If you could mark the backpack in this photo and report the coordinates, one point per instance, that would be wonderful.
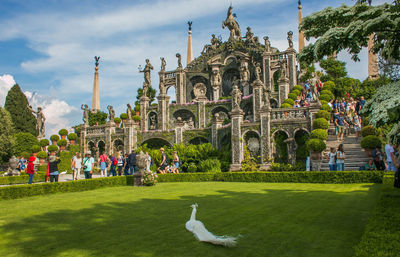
(115, 162)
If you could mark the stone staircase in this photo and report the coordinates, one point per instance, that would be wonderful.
(355, 155)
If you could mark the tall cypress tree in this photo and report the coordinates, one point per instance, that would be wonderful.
(17, 105)
(6, 139)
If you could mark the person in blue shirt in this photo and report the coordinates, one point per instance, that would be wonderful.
(88, 162)
(339, 122)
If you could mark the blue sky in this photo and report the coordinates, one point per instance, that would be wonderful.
(47, 46)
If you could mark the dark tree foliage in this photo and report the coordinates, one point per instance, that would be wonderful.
(98, 118)
(6, 139)
(17, 105)
(151, 93)
(24, 142)
(334, 69)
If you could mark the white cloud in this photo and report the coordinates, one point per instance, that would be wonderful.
(6, 82)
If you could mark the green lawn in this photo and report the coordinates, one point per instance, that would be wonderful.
(274, 219)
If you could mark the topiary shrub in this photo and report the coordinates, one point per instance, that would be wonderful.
(25, 155)
(323, 102)
(325, 97)
(295, 91)
(72, 136)
(42, 155)
(35, 148)
(326, 107)
(192, 168)
(368, 131)
(74, 148)
(63, 132)
(286, 105)
(315, 145)
(117, 120)
(370, 142)
(23, 142)
(292, 96)
(289, 101)
(136, 118)
(54, 138)
(319, 134)
(298, 87)
(62, 142)
(328, 92)
(210, 165)
(320, 123)
(123, 116)
(137, 108)
(329, 85)
(52, 148)
(44, 142)
(323, 114)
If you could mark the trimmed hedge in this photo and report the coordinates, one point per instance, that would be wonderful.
(298, 87)
(20, 191)
(289, 101)
(326, 107)
(286, 105)
(320, 123)
(23, 179)
(325, 97)
(36, 148)
(370, 142)
(292, 96)
(315, 145)
(323, 114)
(368, 131)
(319, 134)
(326, 177)
(63, 132)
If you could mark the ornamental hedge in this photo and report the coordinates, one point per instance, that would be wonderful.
(326, 107)
(289, 101)
(325, 97)
(323, 114)
(54, 138)
(42, 155)
(370, 142)
(319, 134)
(298, 87)
(44, 142)
(368, 131)
(63, 132)
(136, 118)
(62, 142)
(117, 120)
(320, 123)
(22, 179)
(328, 92)
(292, 96)
(123, 116)
(286, 105)
(323, 102)
(35, 149)
(52, 148)
(295, 91)
(329, 85)
(315, 145)
(72, 136)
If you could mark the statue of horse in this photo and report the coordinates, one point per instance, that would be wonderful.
(232, 25)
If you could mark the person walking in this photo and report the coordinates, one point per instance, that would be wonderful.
(76, 166)
(341, 156)
(88, 166)
(113, 165)
(126, 165)
(176, 162)
(53, 168)
(103, 164)
(340, 122)
(332, 159)
(31, 167)
(377, 155)
(357, 125)
(21, 164)
(164, 162)
(389, 150)
(121, 161)
(132, 162)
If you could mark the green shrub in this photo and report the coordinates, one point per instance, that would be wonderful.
(295, 91)
(136, 118)
(74, 148)
(23, 142)
(54, 138)
(63, 132)
(325, 97)
(286, 105)
(137, 108)
(315, 145)
(72, 136)
(42, 155)
(368, 131)
(117, 120)
(326, 107)
(35, 148)
(329, 85)
(52, 148)
(289, 101)
(299, 166)
(62, 142)
(320, 123)
(123, 116)
(65, 161)
(319, 134)
(26, 155)
(292, 96)
(323, 102)
(323, 114)
(370, 142)
(328, 92)
(22, 179)
(298, 87)
(210, 165)
(44, 142)
(192, 168)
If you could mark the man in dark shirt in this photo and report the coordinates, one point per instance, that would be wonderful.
(339, 122)
(132, 162)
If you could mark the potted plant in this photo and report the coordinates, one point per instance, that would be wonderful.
(315, 146)
(368, 131)
(52, 149)
(72, 137)
(62, 143)
(369, 143)
(136, 110)
(136, 118)
(35, 148)
(123, 116)
(117, 121)
(44, 143)
(42, 155)
(63, 133)
(319, 134)
(54, 139)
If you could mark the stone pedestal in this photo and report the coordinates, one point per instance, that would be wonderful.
(179, 129)
(141, 164)
(237, 144)
(265, 122)
(267, 74)
(84, 148)
(291, 67)
(284, 89)
(110, 129)
(163, 115)
(201, 113)
(315, 165)
(257, 99)
(292, 146)
(246, 88)
(130, 136)
(216, 124)
(144, 106)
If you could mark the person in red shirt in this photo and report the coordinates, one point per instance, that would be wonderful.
(31, 167)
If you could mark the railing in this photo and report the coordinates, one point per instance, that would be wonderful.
(119, 131)
(289, 113)
(94, 130)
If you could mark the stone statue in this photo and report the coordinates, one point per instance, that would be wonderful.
(190, 123)
(85, 117)
(244, 72)
(163, 64)
(283, 69)
(12, 167)
(313, 84)
(40, 119)
(111, 113)
(232, 25)
(236, 97)
(250, 37)
(153, 121)
(129, 111)
(267, 44)
(97, 58)
(147, 69)
(145, 89)
(290, 38)
(266, 93)
(215, 78)
(215, 42)
(258, 72)
(178, 55)
(200, 90)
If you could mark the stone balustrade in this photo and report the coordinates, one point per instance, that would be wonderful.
(289, 113)
(96, 130)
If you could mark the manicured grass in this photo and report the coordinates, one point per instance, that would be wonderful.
(273, 219)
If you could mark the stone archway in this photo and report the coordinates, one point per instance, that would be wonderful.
(152, 118)
(222, 111)
(118, 146)
(187, 116)
(199, 79)
(247, 108)
(252, 141)
(198, 141)
(227, 80)
(273, 103)
(156, 143)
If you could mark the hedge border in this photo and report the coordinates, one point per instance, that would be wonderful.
(22, 179)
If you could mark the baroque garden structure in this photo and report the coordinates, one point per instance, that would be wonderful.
(229, 95)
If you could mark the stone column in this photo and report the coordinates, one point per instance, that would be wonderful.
(144, 105)
(216, 124)
(180, 86)
(237, 148)
(84, 147)
(163, 115)
(267, 75)
(179, 129)
(257, 99)
(130, 136)
(283, 83)
(292, 146)
(141, 164)
(110, 129)
(265, 118)
(201, 113)
(291, 67)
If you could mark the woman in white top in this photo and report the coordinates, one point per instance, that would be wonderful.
(340, 157)
(332, 159)
(76, 166)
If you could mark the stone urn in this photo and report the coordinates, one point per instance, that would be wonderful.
(138, 175)
(316, 156)
(12, 167)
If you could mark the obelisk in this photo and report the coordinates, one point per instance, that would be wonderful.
(189, 47)
(373, 68)
(96, 93)
(301, 35)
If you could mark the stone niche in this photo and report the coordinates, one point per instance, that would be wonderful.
(185, 116)
(153, 120)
